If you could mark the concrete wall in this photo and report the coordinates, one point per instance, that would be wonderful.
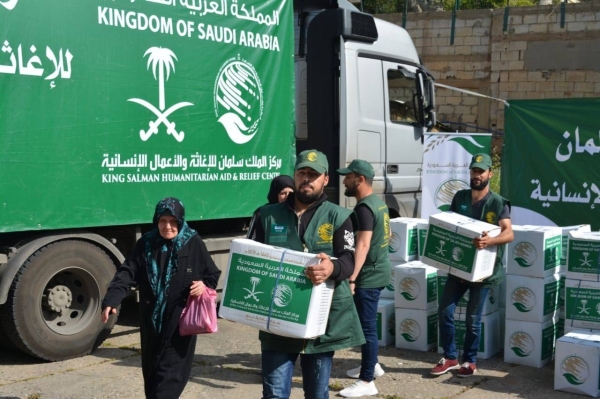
(534, 59)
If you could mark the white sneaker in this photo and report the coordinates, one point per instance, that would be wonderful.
(358, 389)
(355, 373)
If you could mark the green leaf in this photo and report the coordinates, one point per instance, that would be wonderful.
(444, 208)
(408, 337)
(469, 146)
(522, 262)
(390, 287)
(519, 352)
(408, 297)
(572, 379)
(521, 308)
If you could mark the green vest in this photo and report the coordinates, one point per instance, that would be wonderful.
(343, 326)
(376, 271)
(490, 213)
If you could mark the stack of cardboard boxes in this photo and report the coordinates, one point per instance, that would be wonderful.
(416, 306)
(413, 288)
(578, 352)
(532, 291)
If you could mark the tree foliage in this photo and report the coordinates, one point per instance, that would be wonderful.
(398, 6)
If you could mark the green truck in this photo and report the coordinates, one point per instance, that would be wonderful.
(107, 106)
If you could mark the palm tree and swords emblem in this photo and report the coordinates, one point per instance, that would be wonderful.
(161, 60)
(253, 294)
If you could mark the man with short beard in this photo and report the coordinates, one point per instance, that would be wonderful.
(371, 270)
(482, 204)
(307, 222)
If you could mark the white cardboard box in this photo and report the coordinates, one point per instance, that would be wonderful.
(449, 246)
(583, 256)
(491, 302)
(389, 291)
(532, 299)
(582, 304)
(489, 344)
(529, 344)
(535, 251)
(416, 329)
(585, 228)
(416, 286)
(577, 362)
(422, 232)
(386, 326)
(298, 308)
(404, 241)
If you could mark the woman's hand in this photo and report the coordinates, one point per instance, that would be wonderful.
(197, 288)
(107, 312)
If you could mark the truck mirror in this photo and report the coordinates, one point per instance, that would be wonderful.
(420, 103)
(431, 107)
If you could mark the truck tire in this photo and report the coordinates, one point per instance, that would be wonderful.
(53, 307)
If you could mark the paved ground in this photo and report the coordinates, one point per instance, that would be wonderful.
(227, 365)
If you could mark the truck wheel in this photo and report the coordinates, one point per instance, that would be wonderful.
(53, 307)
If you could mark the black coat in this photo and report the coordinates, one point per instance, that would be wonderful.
(166, 357)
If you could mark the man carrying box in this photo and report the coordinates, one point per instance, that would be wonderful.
(307, 222)
(371, 270)
(482, 204)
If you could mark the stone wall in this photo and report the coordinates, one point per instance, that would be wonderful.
(533, 59)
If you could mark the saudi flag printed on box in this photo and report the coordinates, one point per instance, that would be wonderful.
(449, 246)
(583, 256)
(266, 288)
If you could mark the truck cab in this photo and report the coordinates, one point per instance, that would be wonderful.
(361, 92)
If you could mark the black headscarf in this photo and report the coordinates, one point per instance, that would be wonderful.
(277, 184)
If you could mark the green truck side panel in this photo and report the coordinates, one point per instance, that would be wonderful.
(108, 106)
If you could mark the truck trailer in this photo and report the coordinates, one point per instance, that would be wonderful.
(107, 106)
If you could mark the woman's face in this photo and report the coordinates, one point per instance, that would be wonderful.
(167, 227)
(283, 194)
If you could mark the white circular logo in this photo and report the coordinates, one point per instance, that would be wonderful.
(525, 254)
(445, 192)
(575, 370)
(521, 344)
(523, 299)
(410, 330)
(283, 295)
(458, 254)
(238, 99)
(409, 288)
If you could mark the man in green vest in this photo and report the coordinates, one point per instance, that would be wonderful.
(371, 270)
(482, 204)
(307, 222)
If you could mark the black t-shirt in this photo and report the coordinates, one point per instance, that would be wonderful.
(366, 219)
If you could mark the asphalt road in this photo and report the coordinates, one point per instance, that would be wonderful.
(227, 365)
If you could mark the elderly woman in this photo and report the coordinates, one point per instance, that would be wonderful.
(168, 264)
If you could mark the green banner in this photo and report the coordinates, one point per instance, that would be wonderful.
(550, 161)
(107, 106)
